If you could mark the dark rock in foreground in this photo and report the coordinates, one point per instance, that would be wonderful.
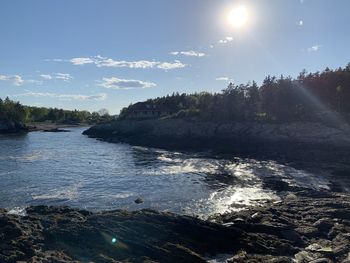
(307, 227)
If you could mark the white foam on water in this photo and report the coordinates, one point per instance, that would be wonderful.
(186, 166)
(298, 178)
(236, 198)
(20, 211)
(122, 195)
(69, 193)
(29, 157)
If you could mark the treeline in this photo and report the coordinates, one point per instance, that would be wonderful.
(11, 111)
(41, 114)
(14, 111)
(309, 97)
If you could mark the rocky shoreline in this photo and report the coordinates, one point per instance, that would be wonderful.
(9, 127)
(53, 127)
(288, 143)
(303, 227)
(195, 133)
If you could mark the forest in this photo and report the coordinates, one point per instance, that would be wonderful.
(318, 96)
(315, 96)
(16, 112)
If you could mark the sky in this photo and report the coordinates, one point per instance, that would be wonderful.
(93, 54)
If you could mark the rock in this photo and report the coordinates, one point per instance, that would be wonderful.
(61, 234)
(305, 257)
(324, 224)
(138, 200)
(301, 141)
(308, 231)
(341, 244)
(347, 260)
(239, 257)
(319, 248)
(56, 130)
(322, 260)
(256, 215)
(279, 233)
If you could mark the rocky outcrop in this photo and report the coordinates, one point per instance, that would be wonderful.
(245, 138)
(56, 130)
(12, 127)
(304, 227)
(317, 224)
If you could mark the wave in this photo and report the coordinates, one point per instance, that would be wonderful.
(30, 157)
(122, 195)
(69, 193)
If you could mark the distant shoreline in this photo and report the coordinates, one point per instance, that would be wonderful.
(44, 126)
(19, 128)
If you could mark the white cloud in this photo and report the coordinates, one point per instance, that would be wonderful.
(169, 65)
(15, 79)
(223, 79)
(314, 48)
(99, 97)
(108, 62)
(300, 23)
(46, 76)
(54, 60)
(225, 40)
(189, 53)
(116, 83)
(34, 81)
(81, 61)
(100, 61)
(63, 76)
(60, 76)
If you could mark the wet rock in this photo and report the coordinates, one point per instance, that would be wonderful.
(308, 231)
(322, 260)
(341, 244)
(138, 200)
(310, 227)
(56, 130)
(347, 260)
(239, 257)
(61, 234)
(305, 257)
(324, 224)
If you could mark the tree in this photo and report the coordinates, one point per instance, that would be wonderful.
(103, 112)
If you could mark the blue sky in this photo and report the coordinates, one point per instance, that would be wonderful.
(93, 54)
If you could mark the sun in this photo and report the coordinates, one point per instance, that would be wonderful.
(238, 16)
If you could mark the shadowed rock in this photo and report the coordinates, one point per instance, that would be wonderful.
(56, 130)
(302, 227)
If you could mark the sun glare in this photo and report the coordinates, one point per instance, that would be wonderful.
(238, 16)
